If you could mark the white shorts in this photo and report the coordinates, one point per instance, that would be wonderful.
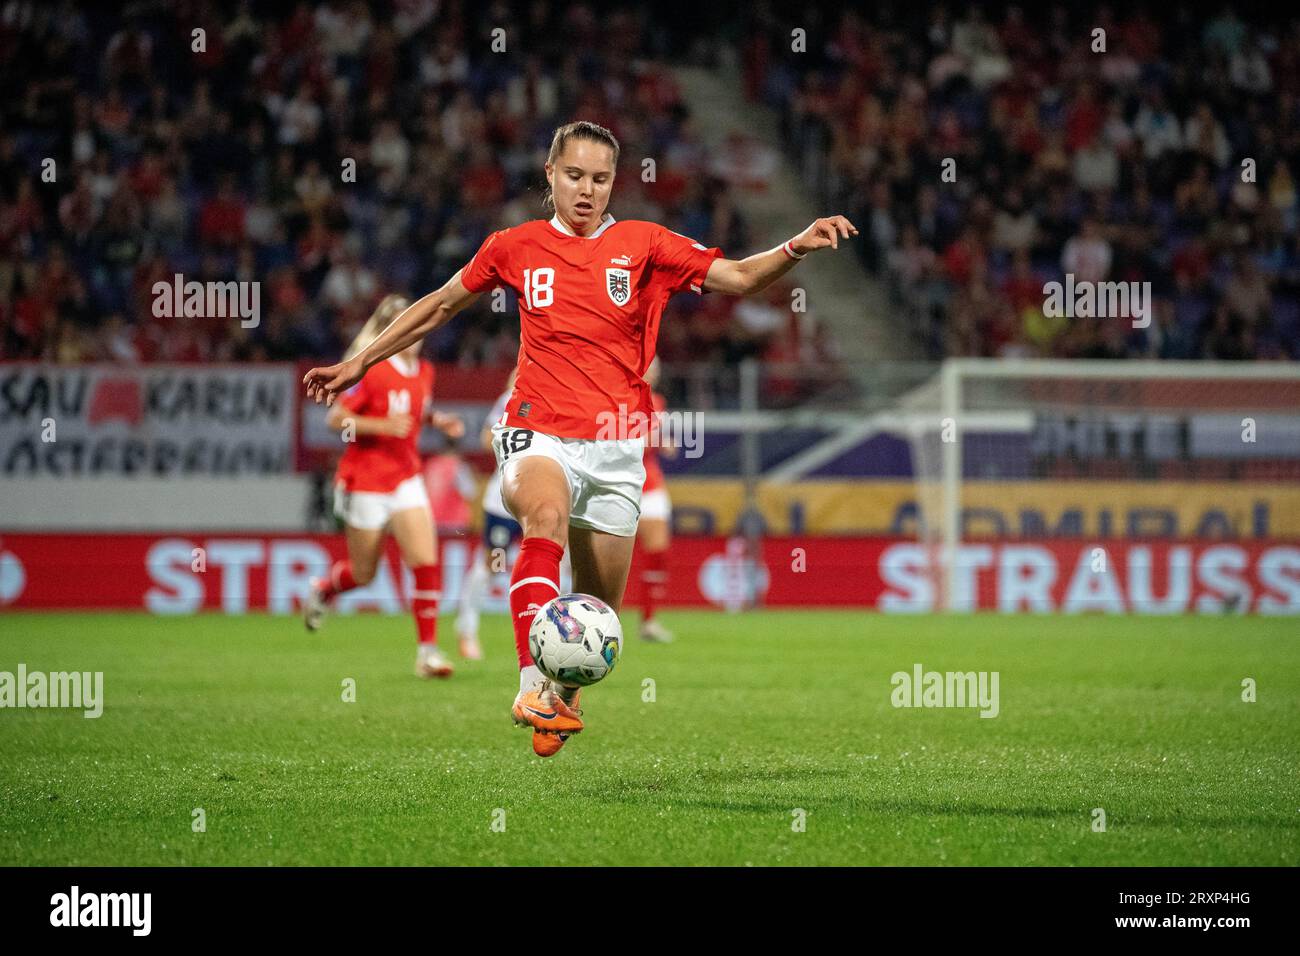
(656, 505)
(605, 475)
(372, 509)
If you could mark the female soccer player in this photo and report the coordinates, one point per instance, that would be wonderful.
(591, 292)
(379, 487)
(654, 530)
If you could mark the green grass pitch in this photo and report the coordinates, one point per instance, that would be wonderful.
(754, 717)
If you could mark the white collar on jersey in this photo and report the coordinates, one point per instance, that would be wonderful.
(402, 366)
(561, 227)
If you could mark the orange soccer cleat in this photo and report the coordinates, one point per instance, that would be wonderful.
(548, 744)
(541, 708)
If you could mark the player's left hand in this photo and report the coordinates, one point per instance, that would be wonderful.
(822, 233)
(450, 425)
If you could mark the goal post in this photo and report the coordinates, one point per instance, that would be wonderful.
(1108, 453)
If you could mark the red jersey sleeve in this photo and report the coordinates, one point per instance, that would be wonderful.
(680, 263)
(483, 271)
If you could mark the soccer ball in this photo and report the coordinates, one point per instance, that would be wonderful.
(575, 639)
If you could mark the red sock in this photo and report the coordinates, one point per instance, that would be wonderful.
(424, 601)
(340, 579)
(654, 582)
(534, 581)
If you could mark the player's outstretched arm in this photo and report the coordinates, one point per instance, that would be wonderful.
(417, 321)
(757, 272)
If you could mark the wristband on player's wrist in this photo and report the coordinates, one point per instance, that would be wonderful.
(789, 251)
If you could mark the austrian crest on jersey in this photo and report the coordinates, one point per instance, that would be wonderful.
(618, 282)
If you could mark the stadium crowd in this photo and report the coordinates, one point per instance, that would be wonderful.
(334, 152)
(341, 150)
(1123, 165)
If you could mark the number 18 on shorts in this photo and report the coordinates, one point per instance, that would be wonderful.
(605, 475)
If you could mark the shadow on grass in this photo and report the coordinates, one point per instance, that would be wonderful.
(679, 793)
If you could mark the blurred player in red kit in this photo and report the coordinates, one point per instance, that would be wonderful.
(450, 483)
(379, 488)
(591, 291)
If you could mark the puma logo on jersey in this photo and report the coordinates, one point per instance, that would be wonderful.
(621, 261)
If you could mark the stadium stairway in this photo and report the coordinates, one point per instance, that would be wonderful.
(840, 291)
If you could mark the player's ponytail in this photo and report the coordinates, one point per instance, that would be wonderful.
(389, 308)
(582, 129)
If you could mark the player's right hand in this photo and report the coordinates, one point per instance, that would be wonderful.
(327, 383)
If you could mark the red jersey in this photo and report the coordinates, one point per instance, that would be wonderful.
(589, 310)
(654, 472)
(381, 462)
